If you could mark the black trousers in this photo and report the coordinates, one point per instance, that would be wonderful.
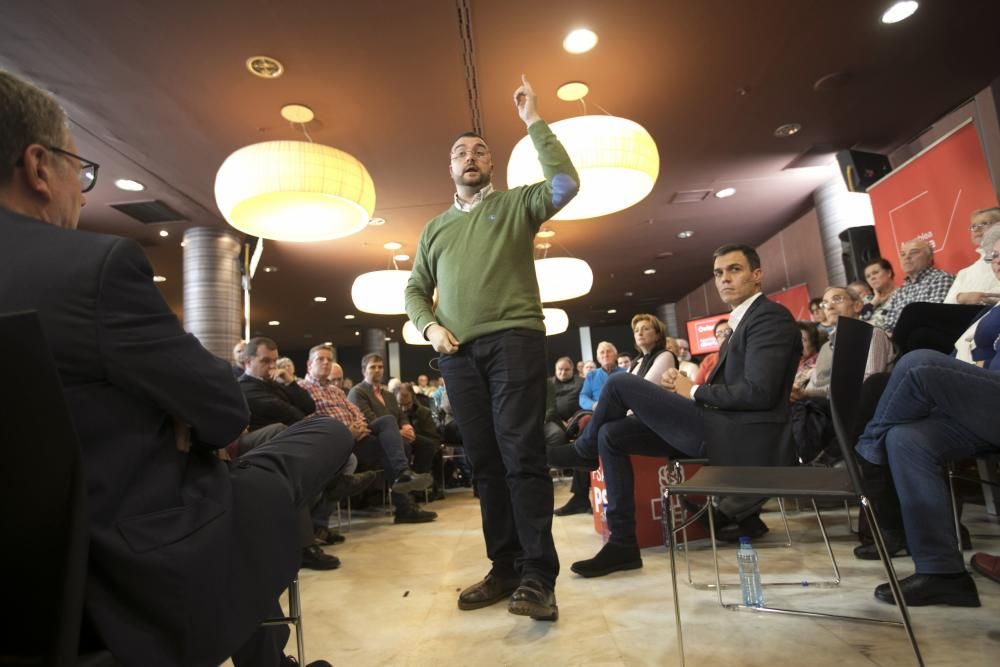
(496, 384)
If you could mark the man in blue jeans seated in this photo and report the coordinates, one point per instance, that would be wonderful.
(746, 396)
(935, 409)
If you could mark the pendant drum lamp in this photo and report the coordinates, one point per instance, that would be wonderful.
(381, 292)
(562, 278)
(294, 191)
(616, 158)
(556, 321)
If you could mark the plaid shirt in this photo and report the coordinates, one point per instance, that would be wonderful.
(331, 401)
(931, 285)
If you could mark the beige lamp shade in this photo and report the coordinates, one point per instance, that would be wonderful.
(412, 336)
(381, 292)
(616, 158)
(556, 321)
(294, 191)
(562, 278)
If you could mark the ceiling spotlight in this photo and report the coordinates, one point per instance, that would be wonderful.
(159, 279)
(319, 299)
(270, 269)
(265, 67)
(273, 323)
(387, 338)
(612, 311)
(164, 233)
(725, 192)
(348, 317)
(183, 243)
(392, 245)
(401, 258)
(328, 342)
(546, 234)
(686, 234)
(649, 272)
(628, 293)
(543, 246)
(376, 222)
(357, 333)
(900, 11)
(571, 91)
(297, 113)
(580, 40)
(787, 130)
(129, 185)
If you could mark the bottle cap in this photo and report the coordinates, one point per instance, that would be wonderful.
(745, 539)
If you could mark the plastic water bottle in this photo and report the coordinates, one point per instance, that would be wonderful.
(605, 533)
(746, 559)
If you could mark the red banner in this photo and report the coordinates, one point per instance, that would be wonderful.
(795, 299)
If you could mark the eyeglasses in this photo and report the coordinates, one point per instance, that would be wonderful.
(479, 154)
(992, 257)
(835, 299)
(88, 169)
(975, 227)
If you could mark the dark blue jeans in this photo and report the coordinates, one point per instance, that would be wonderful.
(935, 409)
(496, 384)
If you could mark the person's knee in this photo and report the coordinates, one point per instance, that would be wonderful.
(912, 444)
(383, 422)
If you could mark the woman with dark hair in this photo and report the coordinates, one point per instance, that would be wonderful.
(810, 350)
(881, 278)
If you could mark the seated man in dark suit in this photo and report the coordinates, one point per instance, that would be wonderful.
(427, 438)
(739, 417)
(169, 580)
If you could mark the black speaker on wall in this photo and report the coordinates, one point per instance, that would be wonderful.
(858, 247)
(860, 169)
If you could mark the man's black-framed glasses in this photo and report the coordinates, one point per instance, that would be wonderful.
(88, 169)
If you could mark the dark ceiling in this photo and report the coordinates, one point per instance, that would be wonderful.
(158, 92)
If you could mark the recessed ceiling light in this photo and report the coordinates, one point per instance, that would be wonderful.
(612, 311)
(319, 299)
(392, 245)
(387, 338)
(376, 222)
(297, 113)
(787, 130)
(546, 234)
(164, 233)
(725, 192)
(900, 11)
(571, 91)
(580, 40)
(159, 279)
(328, 342)
(628, 293)
(686, 234)
(273, 323)
(129, 185)
(265, 67)
(348, 317)
(649, 272)
(401, 258)
(270, 269)
(543, 245)
(357, 333)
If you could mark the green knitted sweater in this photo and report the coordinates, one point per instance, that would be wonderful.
(482, 262)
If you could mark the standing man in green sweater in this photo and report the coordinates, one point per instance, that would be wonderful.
(488, 328)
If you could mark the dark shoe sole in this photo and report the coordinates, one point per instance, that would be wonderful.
(488, 602)
(537, 612)
(945, 599)
(631, 565)
(872, 554)
(418, 483)
(411, 519)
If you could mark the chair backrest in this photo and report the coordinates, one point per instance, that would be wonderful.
(850, 357)
(44, 519)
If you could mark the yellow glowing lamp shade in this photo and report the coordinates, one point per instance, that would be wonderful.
(616, 158)
(562, 278)
(412, 336)
(381, 292)
(556, 321)
(294, 191)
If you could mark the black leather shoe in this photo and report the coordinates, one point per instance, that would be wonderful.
(413, 514)
(408, 480)
(313, 558)
(919, 590)
(895, 544)
(535, 599)
(566, 456)
(327, 536)
(489, 591)
(576, 505)
(751, 527)
(611, 558)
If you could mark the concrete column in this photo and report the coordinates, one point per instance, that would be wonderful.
(213, 295)
(667, 312)
(586, 349)
(373, 340)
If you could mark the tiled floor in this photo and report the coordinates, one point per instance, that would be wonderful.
(393, 603)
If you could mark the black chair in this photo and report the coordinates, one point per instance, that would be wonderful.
(841, 484)
(44, 513)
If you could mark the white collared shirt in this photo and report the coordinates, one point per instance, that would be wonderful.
(477, 199)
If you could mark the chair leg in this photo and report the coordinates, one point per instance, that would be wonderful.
(890, 571)
(784, 520)
(954, 504)
(826, 541)
(669, 518)
(295, 612)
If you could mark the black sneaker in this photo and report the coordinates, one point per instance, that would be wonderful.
(413, 514)
(410, 480)
(313, 558)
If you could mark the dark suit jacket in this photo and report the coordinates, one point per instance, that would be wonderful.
(167, 580)
(745, 403)
(271, 403)
(363, 396)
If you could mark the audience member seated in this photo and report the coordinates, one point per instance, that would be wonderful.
(607, 357)
(377, 443)
(588, 366)
(819, 316)
(187, 554)
(237, 364)
(288, 366)
(881, 278)
(990, 246)
(862, 289)
(810, 352)
(461, 474)
(624, 361)
(976, 284)
(654, 359)
(427, 438)
(682, 357)
(562, 405)
(739, 417)
(923, 282)
(707, 365)
(932, 412)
